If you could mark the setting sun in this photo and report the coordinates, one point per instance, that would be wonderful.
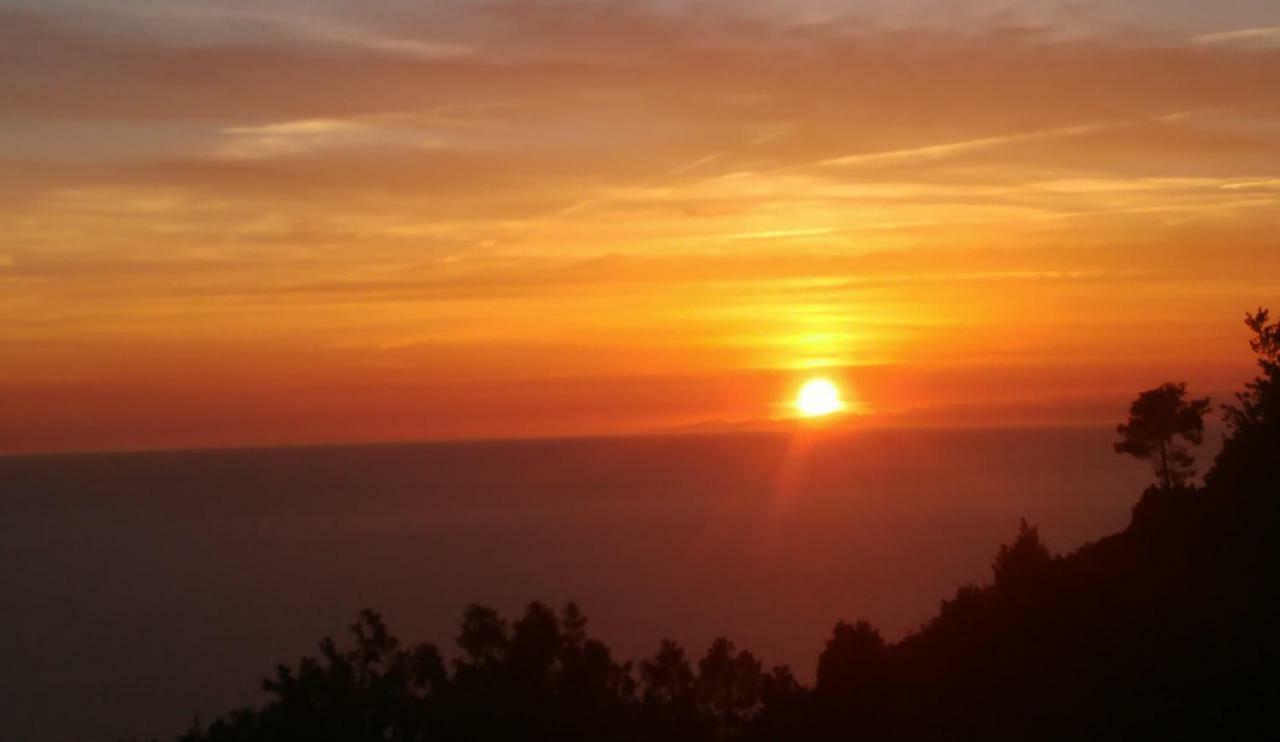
(818, 397)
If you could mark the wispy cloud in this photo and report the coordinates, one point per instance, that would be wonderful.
(1268, 184)
(289, 138)
(953, 149)
(1264, 35)
(681, 169)
(325, 30)
(781, 234)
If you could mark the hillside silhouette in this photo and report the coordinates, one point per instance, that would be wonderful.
(1165, 630)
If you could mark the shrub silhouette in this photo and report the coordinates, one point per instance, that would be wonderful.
(1165, 630)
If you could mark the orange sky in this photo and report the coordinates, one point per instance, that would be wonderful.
(227, 223)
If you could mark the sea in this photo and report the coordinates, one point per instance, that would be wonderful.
(140, 591)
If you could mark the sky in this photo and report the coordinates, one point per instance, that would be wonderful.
(243, 223)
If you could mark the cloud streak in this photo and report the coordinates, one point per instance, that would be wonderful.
(1265, 35)
(291, 138)
(317, 28)
(933, 152)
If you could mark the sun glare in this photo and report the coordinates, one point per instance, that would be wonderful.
(818, 397)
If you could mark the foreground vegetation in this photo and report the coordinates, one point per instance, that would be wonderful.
(1166, 630)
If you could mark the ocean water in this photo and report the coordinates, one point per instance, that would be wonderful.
(139, 590)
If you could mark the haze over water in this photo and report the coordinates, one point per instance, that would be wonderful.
(155, 586)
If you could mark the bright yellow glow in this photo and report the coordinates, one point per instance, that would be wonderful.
(818, 397)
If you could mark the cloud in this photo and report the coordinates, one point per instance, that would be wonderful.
(288, 138)
(780, 234)
(951, 149)
(1269, 184)
(1262, 36)
(324, 30)
(586, 62)
(409, 47)
(624, 129)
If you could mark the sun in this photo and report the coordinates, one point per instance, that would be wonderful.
(818, 397)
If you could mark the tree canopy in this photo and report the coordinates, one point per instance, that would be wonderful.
(1157, 419)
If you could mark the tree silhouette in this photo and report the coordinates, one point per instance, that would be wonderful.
(853, 661)
(728, 687)
(1022, 561)
(1249, 460)
(1261, 398)
(669, 700)
(484, 635)
(1157, 418)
